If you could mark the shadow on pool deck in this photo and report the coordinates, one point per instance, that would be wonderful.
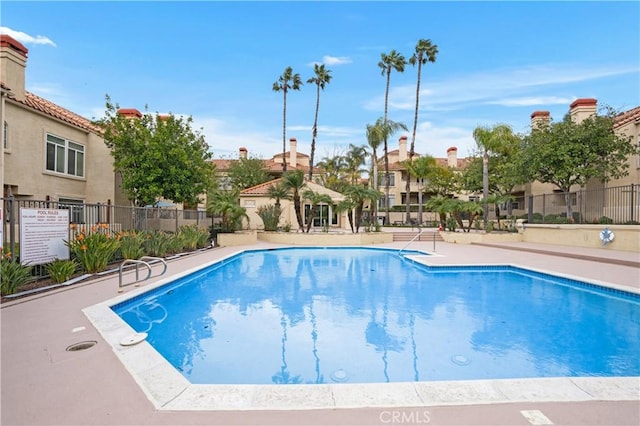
(42, 383)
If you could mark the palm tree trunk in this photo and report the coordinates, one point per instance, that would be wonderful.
(284, 132)
(374, 208)
(314, 134)
(485, 185)
(413, 144)
(386, 149)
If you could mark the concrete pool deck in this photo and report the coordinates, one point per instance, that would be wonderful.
(42, 383)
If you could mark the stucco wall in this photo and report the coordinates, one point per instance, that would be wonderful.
(627, 237)
(25, 159)
(325, 239)
(238, 238)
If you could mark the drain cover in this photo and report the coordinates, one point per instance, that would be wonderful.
(133, 339)
(80, 346)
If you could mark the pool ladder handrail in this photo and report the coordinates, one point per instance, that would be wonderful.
(412, 240)
(138, 262)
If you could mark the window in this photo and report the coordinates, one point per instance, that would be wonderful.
(64, 156)
(382, 204)
(324, 212)
(76, 206)
(392, 179)
(224, 183)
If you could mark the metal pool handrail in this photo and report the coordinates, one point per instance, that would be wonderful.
(138, 262)
(412, 240)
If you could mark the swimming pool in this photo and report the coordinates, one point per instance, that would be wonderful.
(390, 320)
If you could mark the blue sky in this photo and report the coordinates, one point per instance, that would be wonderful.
(217, 62)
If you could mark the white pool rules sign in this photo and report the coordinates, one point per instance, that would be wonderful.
(42, 235)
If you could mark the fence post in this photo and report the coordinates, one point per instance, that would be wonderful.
(12, 226)
(633, 207)
(530, 212)
(177, 220)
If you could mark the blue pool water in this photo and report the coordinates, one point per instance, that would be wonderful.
(360, 315)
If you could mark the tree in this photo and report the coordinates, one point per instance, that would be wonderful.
(247, 172)
(567, 153)
(278, 192)
(157, 156)
(392, 61)
(374, 139)
(354, 160)
(443, 180)
(498, 139)
(321, 79)
(388, 128)
(287, 81)
(227, 204)
(358, 195)
(334, 171)
(421, 168)
(425, 52)
(315, 198)
(294, 181)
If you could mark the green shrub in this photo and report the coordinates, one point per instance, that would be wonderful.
(94, 250)
(604, 220)
(157, 243)
(270, 215)
(193, 237)
(61, 270)
(12, 275)
(131, 244)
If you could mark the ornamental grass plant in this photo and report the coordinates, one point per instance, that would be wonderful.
(94, 247)
(61, 270)
(132, 244)
(12, 274)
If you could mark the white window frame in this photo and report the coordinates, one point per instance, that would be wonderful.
(64, 152)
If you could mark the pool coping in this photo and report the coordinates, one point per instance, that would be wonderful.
(168, 389)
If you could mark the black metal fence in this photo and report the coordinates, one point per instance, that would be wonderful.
(116, 218)
(617, 205)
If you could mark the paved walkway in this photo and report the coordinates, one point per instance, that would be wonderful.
(42, 383)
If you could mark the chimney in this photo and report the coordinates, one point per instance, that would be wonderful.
(13, 63)
(452, 157)
(243, 153)
(402, 148)
(583, 108)
(130, 113)
(293, 159)
(540, 119)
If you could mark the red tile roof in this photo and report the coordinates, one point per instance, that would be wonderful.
(56, 111)
(261, 189)
(627, 117)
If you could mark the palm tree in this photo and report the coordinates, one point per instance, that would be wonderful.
(494, 139)
(420, 168)
(359, 194)
(354, 160)
(387, 129)
(294, 181)
(315, 198)
(227, 204)
(288, 80)
(374, 139)
(425, 52)
(278, 192)
(333, 171)
(322, 77)
(392, 61)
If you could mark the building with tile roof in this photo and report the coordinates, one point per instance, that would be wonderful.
(49, 152)
(255, 197)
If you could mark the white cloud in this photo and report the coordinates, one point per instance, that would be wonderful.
(505, 86)
(533, 100)
(336, 60)
(26, 38)
(435, 140)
